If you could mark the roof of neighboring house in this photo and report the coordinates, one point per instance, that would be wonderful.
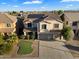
(72, 16)
(4, 19)
(12, 18)
(6, 30)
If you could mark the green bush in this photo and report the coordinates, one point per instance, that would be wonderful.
(7, 47)
(12, 39)
(60, 12)
(67, 33)
(1, 39)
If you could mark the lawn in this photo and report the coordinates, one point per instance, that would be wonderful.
(25, 47)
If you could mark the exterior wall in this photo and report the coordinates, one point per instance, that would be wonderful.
(4, 25)
(73, 27)
(50, 26)
(25, 24)
(34, 25)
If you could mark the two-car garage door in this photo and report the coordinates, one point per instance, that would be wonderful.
(45, 36)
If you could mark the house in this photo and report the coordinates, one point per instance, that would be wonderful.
(73, 20)
(43, 26)
(7, 23)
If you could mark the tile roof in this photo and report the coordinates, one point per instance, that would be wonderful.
(12, 18)
(72, 16)
(5, 19)
(53, 17)
(35, 15)
(45, 16)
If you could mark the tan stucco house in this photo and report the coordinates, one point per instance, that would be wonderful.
(73, 20)
(7, 23)
(45, 26)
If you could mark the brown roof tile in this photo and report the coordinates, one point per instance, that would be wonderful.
(5, 19)
(72, 16)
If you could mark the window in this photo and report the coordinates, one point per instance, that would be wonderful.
(74, 24)
(8, 25)
(44, 26)
(29, 25)
(67, 22)
(56, 25)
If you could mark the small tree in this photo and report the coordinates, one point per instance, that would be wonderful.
(68, 33)
(60, 12)
(20, 25)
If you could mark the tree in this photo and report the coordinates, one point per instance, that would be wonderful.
(14, 12)
(60, 12)
(19, 25)
(67, 33)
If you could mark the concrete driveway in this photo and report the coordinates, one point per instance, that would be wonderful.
(53, 50)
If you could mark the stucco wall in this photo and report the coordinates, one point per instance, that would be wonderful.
(50, 26)
(4, 25)
(33, 24)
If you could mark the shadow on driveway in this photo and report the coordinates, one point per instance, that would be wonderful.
(72, 47)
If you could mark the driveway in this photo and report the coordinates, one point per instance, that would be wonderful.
(53, 50)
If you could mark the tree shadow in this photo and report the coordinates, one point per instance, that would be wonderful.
(75, 48)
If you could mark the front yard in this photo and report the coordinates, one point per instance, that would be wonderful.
(25, 47)
(14, 47)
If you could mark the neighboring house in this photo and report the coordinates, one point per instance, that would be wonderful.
(45, 26)
(7, 24)
(73, 20)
